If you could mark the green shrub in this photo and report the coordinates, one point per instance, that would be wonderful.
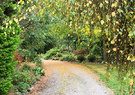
(49, 41)
(26, 67)
(38, 71)
(8, 44)
(5, 84)
(63, 48)
(9, 40)
(23, 87)
(91, 58)
(81, 58)
(59, 54)
(25, 76)
(68, 58)
(28, 55)
(51, 53)
(22, 80)
(96, 50)
(38, 61)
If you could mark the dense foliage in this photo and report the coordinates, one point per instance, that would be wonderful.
(104, 28)
(68, 57)
(81, 58)
(24, 78)
(12, 13)
(91, 58)
(35, 35)
(54, 52)
(9, 39)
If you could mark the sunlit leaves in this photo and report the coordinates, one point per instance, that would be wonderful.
(90, 2)
(133, 59)
(29, 9)
(114, 49)
(101, 5)
(10, 22)
(16, 20)
(113, 14)
(119, 10)
(114, 4)
(128, 58)
(5, 33)
(113, 41)
(97, 31)
(131, 82)
(99, 17)
(102, 22)
(106, 1)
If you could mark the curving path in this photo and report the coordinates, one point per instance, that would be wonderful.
(64, 78)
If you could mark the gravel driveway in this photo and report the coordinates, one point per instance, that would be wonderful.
(64, 78)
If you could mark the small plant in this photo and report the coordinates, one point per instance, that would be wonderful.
(68, 58)
(22, 80)
(81, 58)
(63, 48)
(51, 53)
(26, 67)
(23, 87)
(38, 61)
(91, 58)
(28, 55)
(38, 71)
(25, 76)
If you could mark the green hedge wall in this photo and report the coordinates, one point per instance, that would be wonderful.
(9, 40)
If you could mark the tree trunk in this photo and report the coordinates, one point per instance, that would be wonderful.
(104, 51)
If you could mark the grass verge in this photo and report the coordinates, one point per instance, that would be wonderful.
(113, 83)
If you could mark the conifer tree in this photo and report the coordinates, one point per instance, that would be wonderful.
(9, 39)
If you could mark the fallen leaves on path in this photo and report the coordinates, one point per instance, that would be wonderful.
(64, 78)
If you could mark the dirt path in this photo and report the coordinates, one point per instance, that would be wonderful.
(63, 78)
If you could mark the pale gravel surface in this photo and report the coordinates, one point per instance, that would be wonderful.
(64, 78)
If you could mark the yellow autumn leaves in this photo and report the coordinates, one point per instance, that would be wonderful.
(16, 20)
(113, 14)
(114, 40)
(102, 22)
(131, 82)
(115, 4)
(101, 5)
(115, 49)
(87, 30)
